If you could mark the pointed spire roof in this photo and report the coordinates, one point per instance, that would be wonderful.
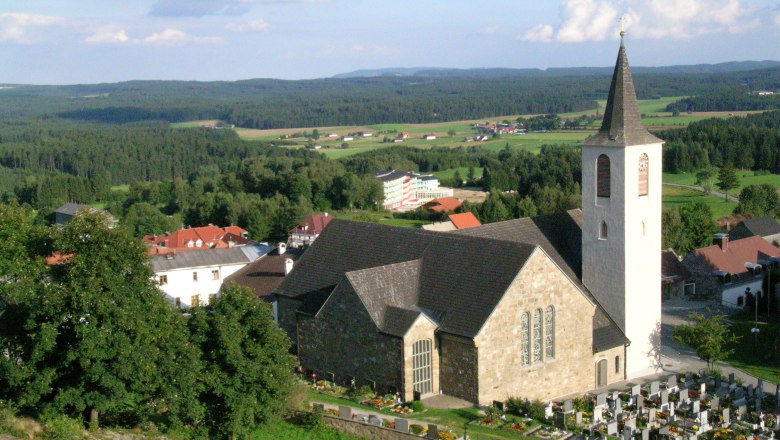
(622, 125)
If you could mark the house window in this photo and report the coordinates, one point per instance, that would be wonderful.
(537, 324)
(178, 301)
(163, 280)
(422, 377)
(617, 364)
(644, 171)
(214, 274)
(195, 276)
(603, 231)
(602, 176)
(549, 333)
(525, 339)
(212, 298)
(194, 301)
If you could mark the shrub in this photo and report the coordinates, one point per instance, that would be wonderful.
(415, 405)
(311, 420)
(516, 406)
(416, 429)
(62, 428)
(296, 400)
(536, 410)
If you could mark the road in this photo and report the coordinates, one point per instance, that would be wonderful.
(734, 199)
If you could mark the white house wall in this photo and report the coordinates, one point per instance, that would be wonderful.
(181, 285)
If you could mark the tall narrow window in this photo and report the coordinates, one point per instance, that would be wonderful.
(644, 170)
(421, 367)
(537, 335)
(603, 231)
(525, 339)
(617, 364)
(549, 333)
(602, 176)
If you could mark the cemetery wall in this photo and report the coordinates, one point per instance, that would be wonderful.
(351, 347)
(365, 430)
(423, 328)
(459, 367)
(501, 374)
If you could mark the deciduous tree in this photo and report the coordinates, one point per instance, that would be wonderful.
(709, 336)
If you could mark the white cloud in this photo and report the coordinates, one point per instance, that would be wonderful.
(176, 37)
(596, 20)
(108, 36)
(488, 30)
(777, 19)
(541, 32)
(249, 26)
(16, 26)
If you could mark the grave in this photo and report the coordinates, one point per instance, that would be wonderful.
(640, 403)
(402, 425)
(741, 411)
(559, 420)
(645, 434)
(683, 395)
(724, 417)
(374, 420)
(731, 378)
(597, 414)
(696, 407)
(612, 427)
(760, 389)
(636, 390)
(715, 403)
(628, 433)
(345, 412)
(664, 397)
(750, 391)
(758, 405)
(433, 432)
(654, 386)
(702, 390)
(568, 406)
(651, 415)
(601, 399)
(671, 382)
(578, 418)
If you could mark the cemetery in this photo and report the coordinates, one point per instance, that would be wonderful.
(675, 407)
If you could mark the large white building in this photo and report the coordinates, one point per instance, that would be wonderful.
(409, 190)
(193, 278)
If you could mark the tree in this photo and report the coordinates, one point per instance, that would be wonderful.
(727, 178)
(248, 371)
(451, 133)
(493, 208)
(687, 228)
(710, 337)
(94, 335)
(144, 219)
(704, 179)
(758, 200)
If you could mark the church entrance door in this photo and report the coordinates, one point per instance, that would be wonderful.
(601, 373)
(422, 377)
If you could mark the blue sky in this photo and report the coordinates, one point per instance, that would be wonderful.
(90, 41)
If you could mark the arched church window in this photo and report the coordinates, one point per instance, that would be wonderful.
(617, 364)
(549, 333)
(644, 171)
(525, 339)
(603, 231)
(602, 176)
(537, 335)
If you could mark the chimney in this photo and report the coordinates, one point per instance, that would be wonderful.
(722, 240)
(288, 266)
(282, 248)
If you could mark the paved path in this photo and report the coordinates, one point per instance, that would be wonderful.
(734, 199)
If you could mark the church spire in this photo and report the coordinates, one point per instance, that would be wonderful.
(622, 124)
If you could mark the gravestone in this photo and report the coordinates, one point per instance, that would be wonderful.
(717, 381)
(758, 405)
(615, 395)
(696, 407)
(433, 432)
(345, 412)
(760, 389)
(715, 403)
(402, 425)
(612, 428)
(627, 433)
(651, 415)
(702, 390)
(666, 430)
(684, 395)
(560, 420)
(704, 418)
(601, 399)
(731, 378)
(636, 390)
(671, 407)
(725, 417)
(671, 382)
(578, 418)
(740, 402)
(631, 422)
(739, 393)
(750, 391)
(654, 386)
(618, 409)
(374, 420)
(741, 411)
(597, 414)
(568, 406)
(640, 402)
(645, 434)
(664, 397)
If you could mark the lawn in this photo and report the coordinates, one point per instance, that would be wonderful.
(754, 359)
(464, 172)
(676, 196)
(745, 178)
(283, 429)
(121, 188)
(383, 218)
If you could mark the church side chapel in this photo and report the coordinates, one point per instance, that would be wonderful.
(535, 307)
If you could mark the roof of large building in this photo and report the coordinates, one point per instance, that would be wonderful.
(464, 220)
(71, 208)
(315, 224)
(736, 254)
(455, 279)
(622, 124)
(265, 274)
(208, 257)
(762, 226)
(186, 239)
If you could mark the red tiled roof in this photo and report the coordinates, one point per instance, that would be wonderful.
(738, 252)
(210, 237)
(443, 204)
(464, 220)
(313, 225)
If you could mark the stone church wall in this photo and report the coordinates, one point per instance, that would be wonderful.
(343, 340)
(287, 316)
(459, 365)
(501, 375)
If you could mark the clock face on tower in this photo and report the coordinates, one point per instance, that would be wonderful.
(643, 162)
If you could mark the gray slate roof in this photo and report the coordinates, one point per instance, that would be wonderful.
(455, 280)
(71, 208)
(208, 257)
(622, 125)
(560, 235)
(762, 226)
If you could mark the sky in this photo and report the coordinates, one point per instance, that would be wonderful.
(94, 41)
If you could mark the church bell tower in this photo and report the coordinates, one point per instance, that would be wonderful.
(621, 221)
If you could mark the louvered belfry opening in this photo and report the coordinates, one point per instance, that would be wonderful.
(602, 176)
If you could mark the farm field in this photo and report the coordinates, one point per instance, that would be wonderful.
(464, 172)
(745, 178)
(676, 196)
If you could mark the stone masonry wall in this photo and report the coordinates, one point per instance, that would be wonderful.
(343, 340)
(501, 375)
(287, 316)
(459, 365)
(365, 430)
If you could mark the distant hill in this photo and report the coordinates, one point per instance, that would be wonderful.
(495, 72)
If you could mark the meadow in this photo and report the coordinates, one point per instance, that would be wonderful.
(674, 196)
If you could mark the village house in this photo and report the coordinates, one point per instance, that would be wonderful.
(66, 212)
(536, 307)
(676, 280)
(305, 232)
(196, 239)
(454, 222)
(765, 227)
(443, 204)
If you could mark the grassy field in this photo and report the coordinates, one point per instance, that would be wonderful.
(285, 430)
(752, 357)
(464, 172)
(383, 218)
(121, 188)
(745, 178)
(675, 196)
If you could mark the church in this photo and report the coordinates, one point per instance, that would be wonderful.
(536, 307)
